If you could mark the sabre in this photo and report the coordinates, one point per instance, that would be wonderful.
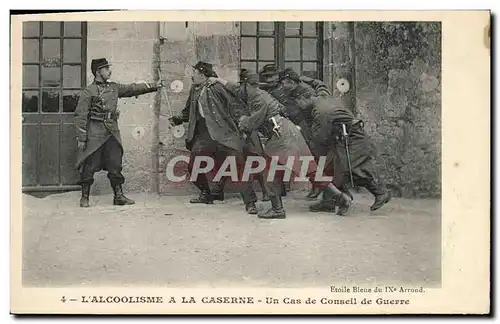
(344, 133)
(166, 95)
(276, 127)
(178, 131)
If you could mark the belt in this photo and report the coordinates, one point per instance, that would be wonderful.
(109, 115)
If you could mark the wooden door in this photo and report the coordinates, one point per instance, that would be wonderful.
(54, 66)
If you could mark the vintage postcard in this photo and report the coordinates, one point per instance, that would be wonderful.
(267, 162)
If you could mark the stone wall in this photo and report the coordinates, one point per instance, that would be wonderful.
(397, 87)
(184, 44)
(398, 79)
(129, 46)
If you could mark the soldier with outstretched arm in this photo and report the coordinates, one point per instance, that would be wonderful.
(98, 136)
(282, 144)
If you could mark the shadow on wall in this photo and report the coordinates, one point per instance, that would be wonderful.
(398, 73)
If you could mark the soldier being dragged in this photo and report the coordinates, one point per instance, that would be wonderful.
(212, 131)
(96, 120)
(334, 127)
(283, 140)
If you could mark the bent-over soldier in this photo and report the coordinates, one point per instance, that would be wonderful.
(274, 82)
(329, 114)
(295, 86)
(286, 142)
(96, 120)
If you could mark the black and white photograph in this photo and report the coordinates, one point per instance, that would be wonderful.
(220, 154)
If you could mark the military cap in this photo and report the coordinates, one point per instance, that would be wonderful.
(206, 68)
(249, 77)
(269, 69)
(97, 64)
(289, 73)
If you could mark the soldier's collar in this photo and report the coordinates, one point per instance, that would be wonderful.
(100, 82)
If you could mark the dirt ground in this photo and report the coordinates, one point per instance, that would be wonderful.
(165, 240)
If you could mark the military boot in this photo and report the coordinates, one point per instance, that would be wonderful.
(382, 196)
(314, 193)
(323, 206)
(265, 195)
(218, 190)
(341, 200)
(84, 201)
(251, 208)
(119, 198)
(204, 198)
(218, 196)
(277, 211)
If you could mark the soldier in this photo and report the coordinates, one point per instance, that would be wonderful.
(329, 114)
(96, 120)
(286, 142)
(212, 130)
(276, 84)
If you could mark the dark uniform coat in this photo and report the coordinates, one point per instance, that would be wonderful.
(218, 105)
(328, 116)
(301, 117)
(262, 107)
(96, 115)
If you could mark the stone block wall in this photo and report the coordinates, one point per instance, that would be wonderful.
(184, 44)
(398, 95)
(396, 91)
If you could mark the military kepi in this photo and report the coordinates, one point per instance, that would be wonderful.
(269, 69)
(98, 64)
(289, 73)
(248, 77)
(206, 68)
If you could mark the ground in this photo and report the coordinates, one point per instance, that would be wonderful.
(164, 240)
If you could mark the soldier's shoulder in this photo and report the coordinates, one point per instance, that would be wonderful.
(89, 89)
(306, 79)
(216, 86)
(112, 83)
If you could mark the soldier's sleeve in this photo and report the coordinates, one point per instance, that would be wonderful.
(184, 116)
(342, 116)
(319, 86)
(232, 88)
(321, 128)
(81, 115)
(257, 116)
(238, 108)
(135, 89)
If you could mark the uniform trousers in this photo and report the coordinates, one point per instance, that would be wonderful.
(204, 145)
(108, 157)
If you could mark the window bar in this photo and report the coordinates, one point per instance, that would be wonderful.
(257, 49)
(280, 34)
(276, 47)
(40, 99)
(239, 45)
(40, 57)
(83, 62)
(301, 26)
(61, 93)
(319, 54)
(61, 66)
